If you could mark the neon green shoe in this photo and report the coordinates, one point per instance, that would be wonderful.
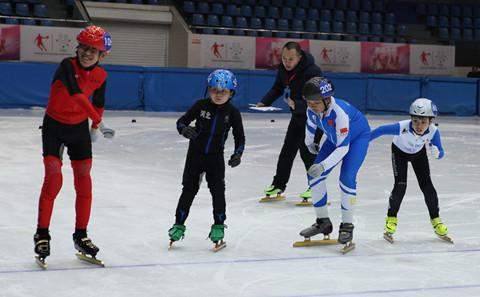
(217, 233)
(391, 225)
(272, 191)
(439, 227)
(177, 232)
(307, 194)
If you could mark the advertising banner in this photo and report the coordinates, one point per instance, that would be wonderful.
(432, 59)
(9, 42)
(218, 51)
(336, 56)
(47, 44)
(385, 58)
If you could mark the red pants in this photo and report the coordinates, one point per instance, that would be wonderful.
(52, 184)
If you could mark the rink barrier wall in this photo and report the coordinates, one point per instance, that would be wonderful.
(24, 85)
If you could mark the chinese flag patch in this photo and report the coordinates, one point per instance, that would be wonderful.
(344, 131)
(330, 122)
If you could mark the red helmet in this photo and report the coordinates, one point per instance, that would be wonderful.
(96, 37)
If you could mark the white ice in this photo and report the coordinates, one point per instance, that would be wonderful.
(137, 182)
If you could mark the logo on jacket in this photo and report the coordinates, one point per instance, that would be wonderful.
(344, 131)
(205, 114)
(227, 119)
(330, 122)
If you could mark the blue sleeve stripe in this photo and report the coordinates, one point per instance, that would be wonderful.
(393, 129)
(310, 129)
(436, 140)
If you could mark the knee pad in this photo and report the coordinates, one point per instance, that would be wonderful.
(53, 176)
(81, 168)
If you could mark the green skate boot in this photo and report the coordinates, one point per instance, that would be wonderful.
(272, 194)
(217, 232)
(305, 196)
(440, 229)
(390, 228)
(176, 233)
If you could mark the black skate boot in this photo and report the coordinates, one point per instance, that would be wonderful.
(345, 236)
(324, 226)
(87, 251)
(42, 247)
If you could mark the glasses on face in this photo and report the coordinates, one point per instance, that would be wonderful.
(87, 49)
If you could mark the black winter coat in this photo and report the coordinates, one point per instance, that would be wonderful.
(294, 80)
(212, 123)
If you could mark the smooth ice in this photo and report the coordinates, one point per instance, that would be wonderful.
(137, 182)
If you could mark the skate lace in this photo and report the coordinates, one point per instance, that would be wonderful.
(88, 242)
(42, 246)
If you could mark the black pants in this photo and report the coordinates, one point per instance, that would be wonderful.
(421, 168)
(56, 135)
(198, 165)
(294, 141)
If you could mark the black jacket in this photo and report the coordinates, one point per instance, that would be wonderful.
(294, 79)
(212, 122)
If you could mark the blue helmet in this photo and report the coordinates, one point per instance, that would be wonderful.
(222, 79)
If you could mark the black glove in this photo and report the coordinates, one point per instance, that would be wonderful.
(235, 160)
(189, 132)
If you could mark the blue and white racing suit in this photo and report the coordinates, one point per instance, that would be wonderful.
(346, 138)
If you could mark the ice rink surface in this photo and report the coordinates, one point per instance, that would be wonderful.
(137, 182)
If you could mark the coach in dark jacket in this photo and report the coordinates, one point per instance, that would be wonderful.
(296, 68)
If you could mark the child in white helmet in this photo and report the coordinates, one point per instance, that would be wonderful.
(409, 146)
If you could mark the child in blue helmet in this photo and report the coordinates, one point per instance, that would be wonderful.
(213, 116)
(346, 138)
(410, 137)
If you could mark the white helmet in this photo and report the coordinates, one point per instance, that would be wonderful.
(423, 107)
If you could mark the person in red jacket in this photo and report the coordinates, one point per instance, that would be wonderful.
(66, 124)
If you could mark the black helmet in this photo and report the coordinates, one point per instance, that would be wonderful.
(317, 88)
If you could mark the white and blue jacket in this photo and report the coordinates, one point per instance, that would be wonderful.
(342, 124)
(406, 139)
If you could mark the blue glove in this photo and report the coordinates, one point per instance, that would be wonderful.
(441, 153)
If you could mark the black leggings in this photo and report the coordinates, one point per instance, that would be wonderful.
(198, 165)
(421, 168)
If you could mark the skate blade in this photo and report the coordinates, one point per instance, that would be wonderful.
(388, 237)
(89, 259)
(309, 242)
(219, 245)
(170, 245)
(304, 203)
(272, 199)
(308, 203)
(41, 262)
(446, 238)
(348, 247)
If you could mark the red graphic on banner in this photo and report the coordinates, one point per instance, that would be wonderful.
(39, 41)
(215, 50)
(268, 51)
(385, 58)
(10, 43)
(325, 56)
(424, 58)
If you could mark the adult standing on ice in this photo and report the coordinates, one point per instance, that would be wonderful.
(66, 124)
(296, 68)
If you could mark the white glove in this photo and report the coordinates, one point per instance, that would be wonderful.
(435, 152)
(93, 134)
(107, 132)
(316, 170)
(313, 148)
